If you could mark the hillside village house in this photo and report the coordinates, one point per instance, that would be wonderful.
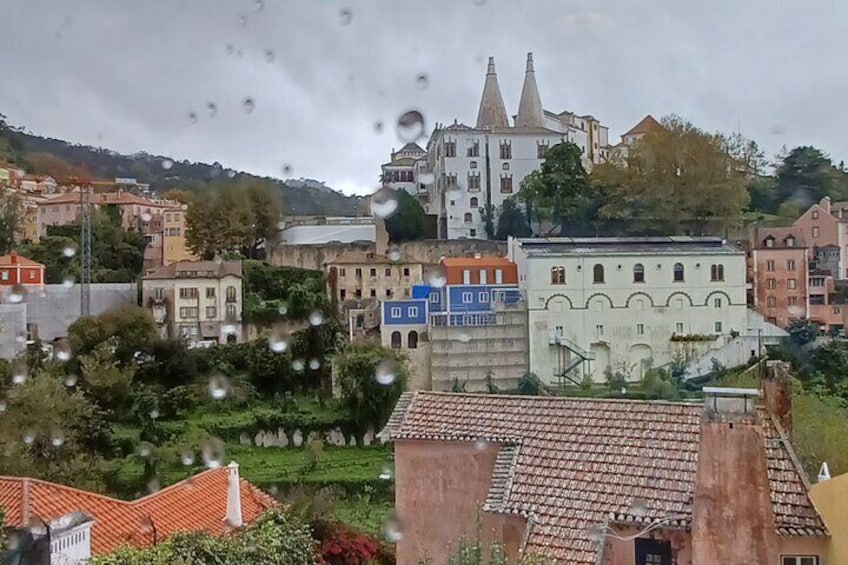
(18, 270)
(624, 305)
(778, 268)
(196, 300)
(605, 482)
(84, 524)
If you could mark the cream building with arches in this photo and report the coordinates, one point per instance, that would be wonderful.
(627, 304)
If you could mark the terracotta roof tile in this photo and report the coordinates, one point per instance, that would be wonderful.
(574, 464)
(6, 261)
(196, 504)
(645, 125)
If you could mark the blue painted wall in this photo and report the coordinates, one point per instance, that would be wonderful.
(404, 312)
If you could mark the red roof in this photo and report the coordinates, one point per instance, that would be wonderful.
(476, 262)
(198, 503)
(6, 261)
(647, 124)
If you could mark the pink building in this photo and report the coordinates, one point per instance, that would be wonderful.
(778, 267)
(819, 227)
(65, 209)
(609, 482)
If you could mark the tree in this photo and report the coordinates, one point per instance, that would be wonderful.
(512, 221)
(559, 186)
(371, 379)
(128, 330)
(407, 222)
(675, 179)
(10, 219)
(267, 211)
(107, 383)
(806, 175)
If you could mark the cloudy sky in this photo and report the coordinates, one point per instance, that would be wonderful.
(322, 74)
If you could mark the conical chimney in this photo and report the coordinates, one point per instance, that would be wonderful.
(492, 111)
(530, 113)
(234, 518)
(824, 473)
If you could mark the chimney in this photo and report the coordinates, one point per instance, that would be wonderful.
(14, 257)
(824, 203)
(233, 519)
(824, 473)
(777, 390)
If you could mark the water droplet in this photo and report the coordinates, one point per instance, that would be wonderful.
(269, 55)
(283, 309)
(386, 473)
(410, 126)
(62, 350)
(298, 365)
(146, 217)
(277, 342)
(392, 528)
(385, 373)
(229, 329)
(29, 437)
(69, 251)
(145, 449)
(71, 380)
(187, 457)
(154, 414)
(218, 387)
(258, 6)
(167, 164)
(192, 118)
(422, 81)
(57, 438)
(68, 281)
(211, 109)
(454, 192)
(19, 372)
(345, 16)
(463, 337)
(384, 202)
(316, 318)
(153, 486)
(230, 49)
(213, 453)
(378, 127)
(394, 254)
(436, 277)
(248, 105)
(287, 169)
(795, 311)
(480, 445)
(17, 294)
(2, 406)
(243, 20)
(231, 174)
(639, 507)
(314, 364)
(427, 178)
(778, 130)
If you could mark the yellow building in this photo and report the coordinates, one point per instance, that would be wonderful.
(173, 236)
(831, 499)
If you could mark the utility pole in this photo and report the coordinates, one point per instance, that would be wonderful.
(85, 249)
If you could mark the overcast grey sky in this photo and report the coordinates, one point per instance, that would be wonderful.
(126, 75)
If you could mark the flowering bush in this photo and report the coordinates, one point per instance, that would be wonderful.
(346, 547)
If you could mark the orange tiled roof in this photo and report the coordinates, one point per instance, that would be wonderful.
(570, 464)
(644, 126)
(476, 262)
(195, 504)
(6, 261)
(100, 198)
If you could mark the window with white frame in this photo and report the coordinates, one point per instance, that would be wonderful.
(467, 297)
(434, 298)
(640, 329)
(413, 311)
(679, 328)
(466, 276)
(718, 327)
(483, 276)
(498, 276)
(394, 312)
(799, 560)
(484, 297)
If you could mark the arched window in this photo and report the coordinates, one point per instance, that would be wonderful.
(231, 313)
(638, 272)
(412, 340)
(231, 294)
(396, 340)
(467, 217)
(598, 273)
(717, 272)
(557, 275)
(678, 272)
(474, 202)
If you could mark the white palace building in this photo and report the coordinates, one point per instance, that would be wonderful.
(464, 168)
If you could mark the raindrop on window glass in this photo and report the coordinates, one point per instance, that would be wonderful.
(385, 373)
(463, 337)
(19, 372)
(386, 473)
(192, 118)
(258, 6)
(154, 414)
(29, 437)
(62, 350)
(69, 251)
(231, 174)
(287, 169)
(345, 16)
(17, 294)
(242, 20)
(422, 81)
(378, 127)
(269, 55)
(394, 254)
(283, 309)
(427, 178)
(70, 380)
(314, 364)
(410, 126)
(248, 105)
(454, 192)
(436, 277)
(392, 528)
(384, 202)
(146, 217)
(639, 507)
(298, 365)
(68, 281)
(213, 453)
(212, 109)
(167, 164)
(277, 342)
(218, 387)
(480, 445)
(230, 49)
(316, 318)
(145, 449)
(2, 406)
(57, 438)
(187, 457)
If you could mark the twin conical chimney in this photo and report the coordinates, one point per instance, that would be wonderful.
(530, 113)
(492, 111)
(234, 517)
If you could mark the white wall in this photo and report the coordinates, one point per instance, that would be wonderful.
(620, 306)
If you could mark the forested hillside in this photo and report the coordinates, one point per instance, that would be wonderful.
(60, 159)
